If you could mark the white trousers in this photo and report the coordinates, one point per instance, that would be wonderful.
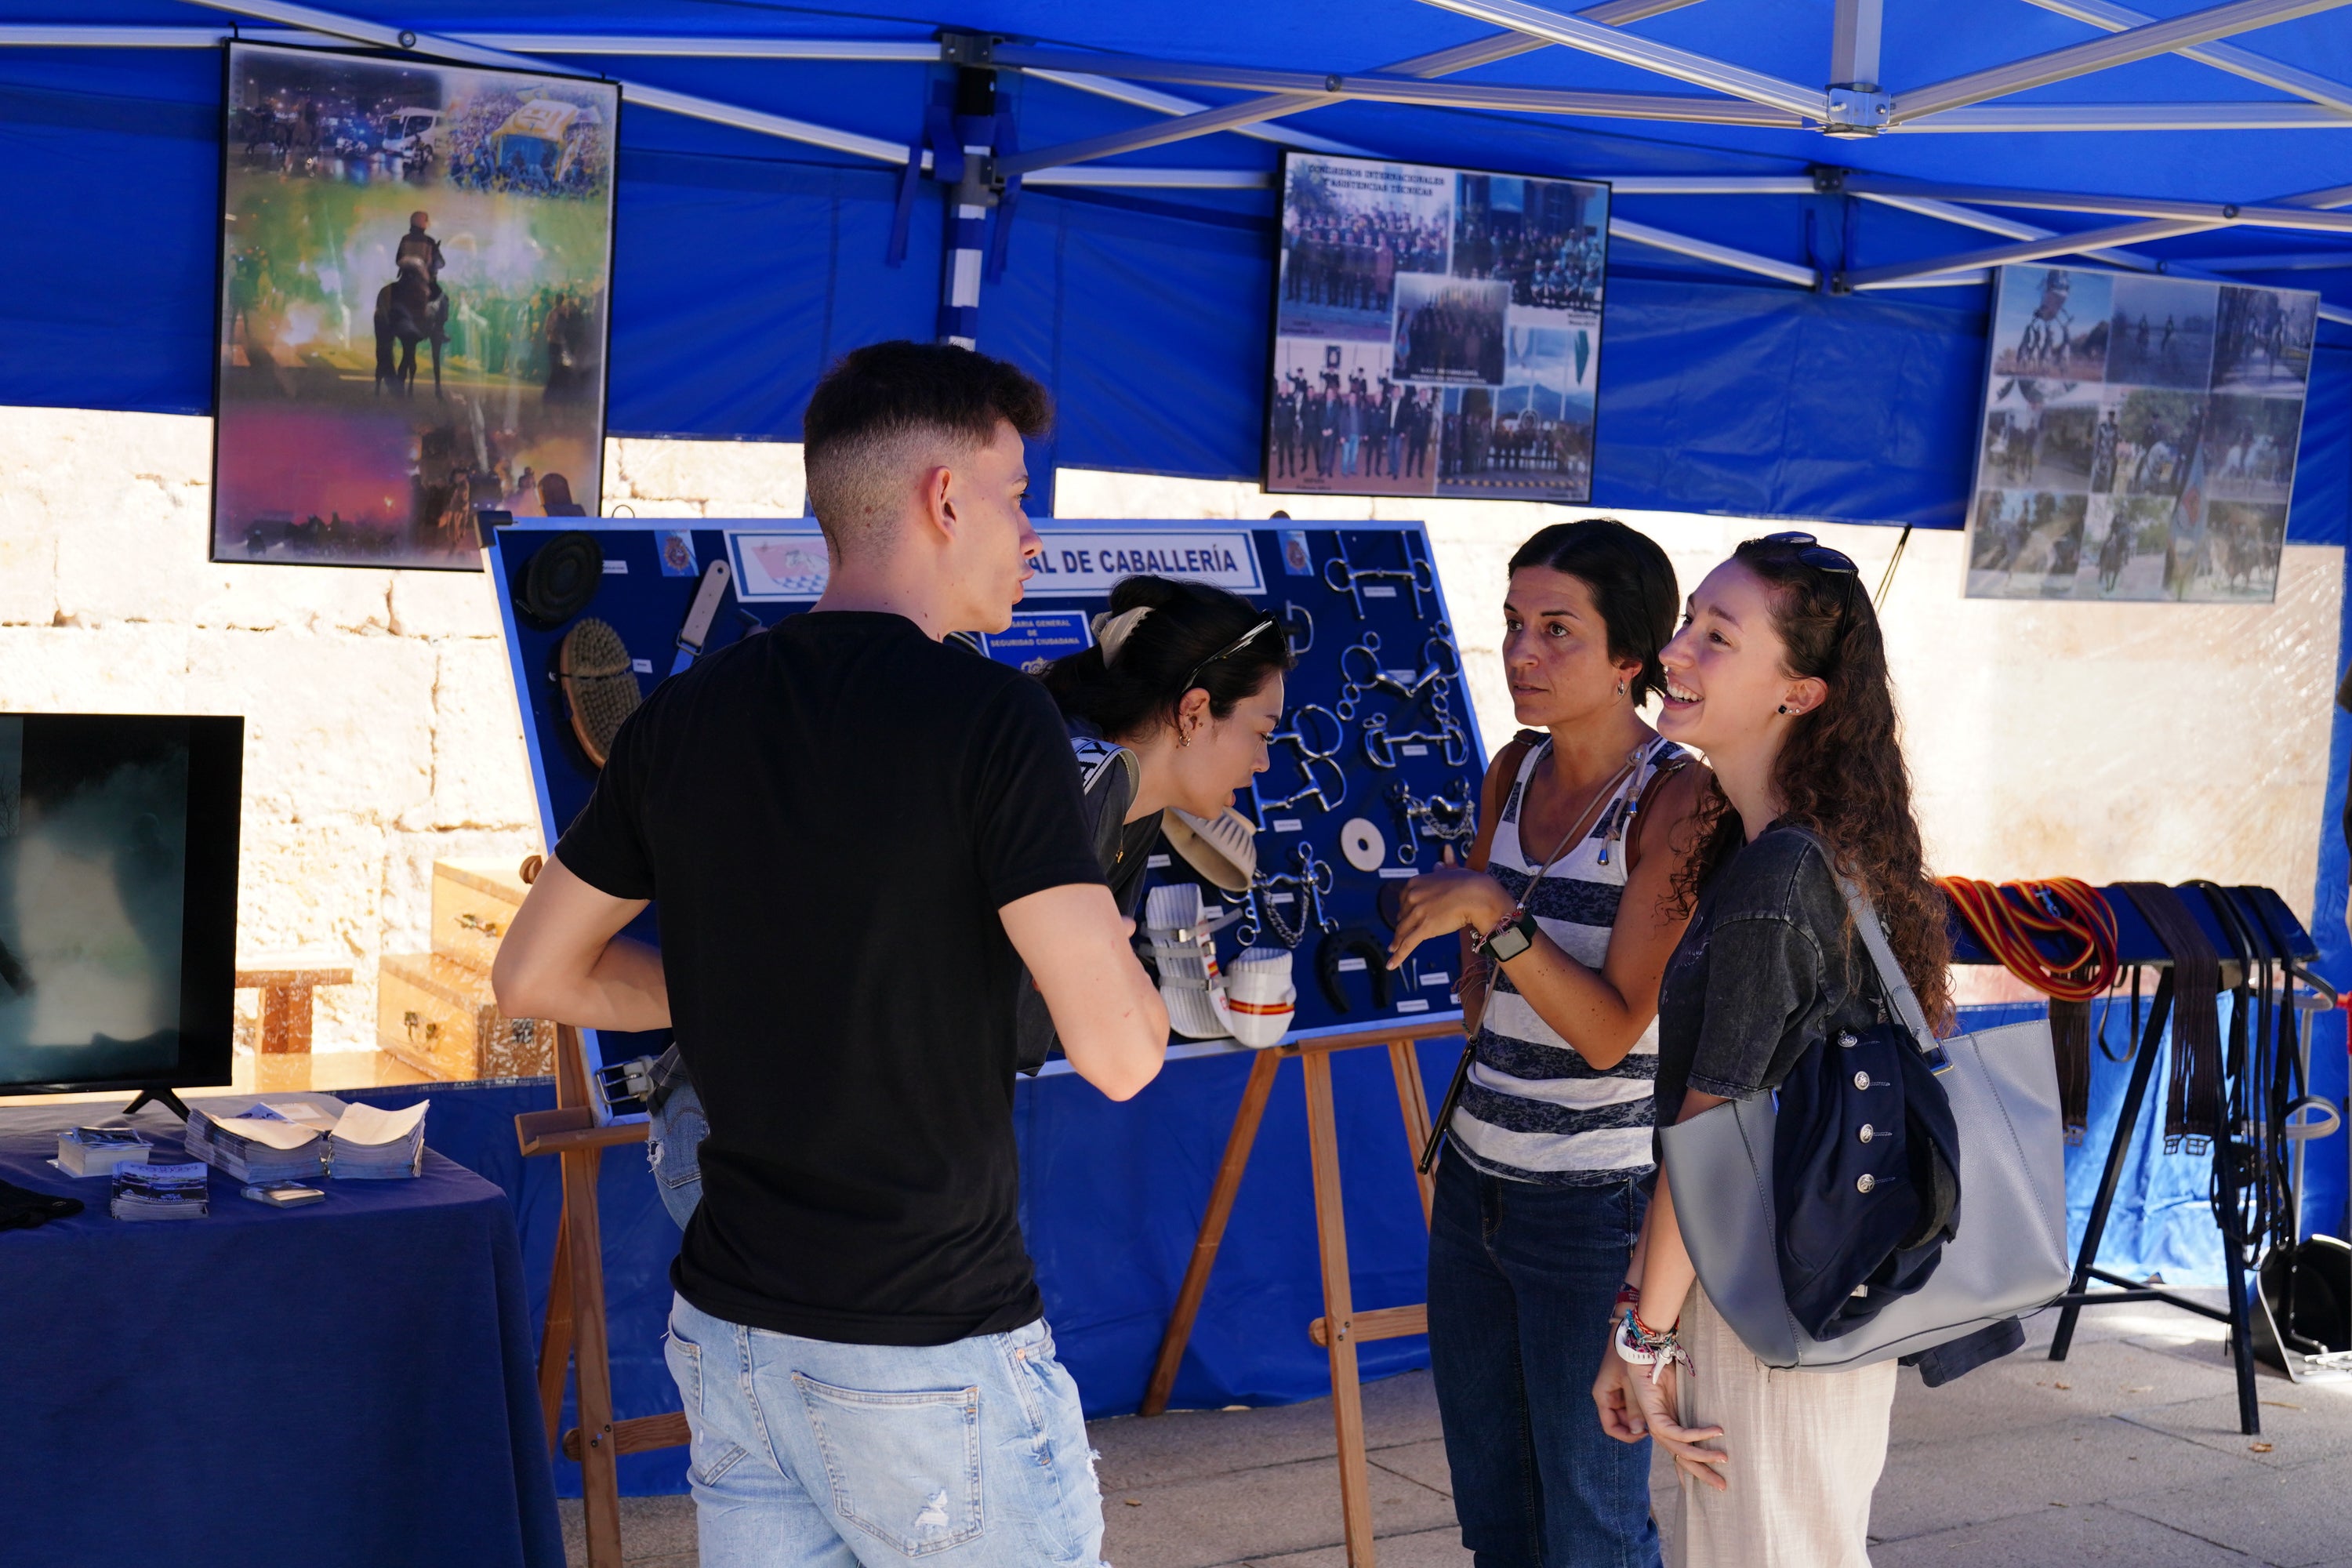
(1806, 1450)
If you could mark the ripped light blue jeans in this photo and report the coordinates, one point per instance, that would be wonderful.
(674, 1151)
(808, 1454)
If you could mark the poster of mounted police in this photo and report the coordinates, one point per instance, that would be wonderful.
(1437, 332)
(414, 274)
(2138, 437)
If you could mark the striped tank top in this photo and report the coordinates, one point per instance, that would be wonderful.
(1534, 1109)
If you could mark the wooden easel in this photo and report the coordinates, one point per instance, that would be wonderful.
(1341, 1327)
(574, 1334)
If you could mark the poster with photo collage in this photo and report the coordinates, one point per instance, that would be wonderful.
(2139, 438)
(1437, 332)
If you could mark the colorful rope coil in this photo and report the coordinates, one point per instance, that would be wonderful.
(2007, 918)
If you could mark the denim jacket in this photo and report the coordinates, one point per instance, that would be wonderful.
(1766, 966)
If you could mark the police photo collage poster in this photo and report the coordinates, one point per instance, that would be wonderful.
(1437, 332)
(415, 263)
(2139, 440)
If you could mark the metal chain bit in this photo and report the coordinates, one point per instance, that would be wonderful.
(1311, 883)
(1447, 821)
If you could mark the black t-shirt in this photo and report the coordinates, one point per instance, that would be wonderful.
(831, 814)
(1765, 968)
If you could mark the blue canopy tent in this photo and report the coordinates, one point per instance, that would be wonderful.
(760, 177)
(1808, 193)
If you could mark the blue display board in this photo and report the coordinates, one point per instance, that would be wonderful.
(1376, 766)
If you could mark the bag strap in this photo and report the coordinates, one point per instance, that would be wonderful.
(1891, 978)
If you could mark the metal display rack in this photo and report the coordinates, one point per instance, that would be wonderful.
(2278, 940)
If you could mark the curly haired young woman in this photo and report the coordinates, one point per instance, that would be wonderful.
(1779, 675)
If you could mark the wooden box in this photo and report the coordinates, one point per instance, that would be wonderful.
(438, 1015)
(474, 902)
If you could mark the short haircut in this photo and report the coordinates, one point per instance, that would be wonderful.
(888, 411)
(1633, 585)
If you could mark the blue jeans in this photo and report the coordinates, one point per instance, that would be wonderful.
(808, 1454)
(1520, 1281)
(674, 1150)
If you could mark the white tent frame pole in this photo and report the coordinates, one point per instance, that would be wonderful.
(1159, 103)
(49, 35)
(1105, 83)
(1206, 122)
(1853, 45)
(2101, 54)
(1115, 176)
(2008, 228)
(2293, 261)
(1629, 49)
(1705, 251)
(2220, 56)
(454, 49)
(2034, 247)
(1202, 120)
(2026, 250)
(2002, 118)
(2260, 215)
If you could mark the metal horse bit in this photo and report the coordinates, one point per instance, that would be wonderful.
(1342, 576)
(1311, 883)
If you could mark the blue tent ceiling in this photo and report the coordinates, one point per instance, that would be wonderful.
(744, 262)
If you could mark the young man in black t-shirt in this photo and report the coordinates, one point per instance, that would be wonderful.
(858, 836)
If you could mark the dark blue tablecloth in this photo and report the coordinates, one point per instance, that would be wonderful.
(346, 1383)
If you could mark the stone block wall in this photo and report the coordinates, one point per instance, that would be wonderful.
(2104, 741)
(381, 731)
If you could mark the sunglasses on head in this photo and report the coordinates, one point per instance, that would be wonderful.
(1228, 651)
(1814, 554)
(1811, 551)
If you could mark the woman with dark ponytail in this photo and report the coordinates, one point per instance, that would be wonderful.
(1169, 713)
(1188, 678)
(1778, 674)
(1563, 913)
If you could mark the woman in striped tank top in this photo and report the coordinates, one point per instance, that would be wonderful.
(1564, 909)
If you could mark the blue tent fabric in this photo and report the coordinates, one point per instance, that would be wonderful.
(744, 263)
(1111, 1197)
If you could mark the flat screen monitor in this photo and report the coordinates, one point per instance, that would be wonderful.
(118, 899)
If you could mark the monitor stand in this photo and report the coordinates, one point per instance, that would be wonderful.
(158, 1096)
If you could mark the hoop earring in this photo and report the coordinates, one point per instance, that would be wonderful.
(1621, 689)
(1184, 737)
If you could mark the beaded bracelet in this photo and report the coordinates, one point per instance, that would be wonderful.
(1638, 1343)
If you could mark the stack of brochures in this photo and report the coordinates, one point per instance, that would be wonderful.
(370, 1144)
(96, 1151)
(257, 1144)
(161, 1192)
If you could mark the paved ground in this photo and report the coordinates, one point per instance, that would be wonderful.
(2126, 1453)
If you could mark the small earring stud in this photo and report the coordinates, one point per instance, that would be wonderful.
(1784, 708)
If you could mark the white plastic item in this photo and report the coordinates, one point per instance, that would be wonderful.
(1261, 1011)
(1185, 950)
(1261, 1000)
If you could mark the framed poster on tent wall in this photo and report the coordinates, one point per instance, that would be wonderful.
(2138, 437)
(1436, 331)
(415, 264)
